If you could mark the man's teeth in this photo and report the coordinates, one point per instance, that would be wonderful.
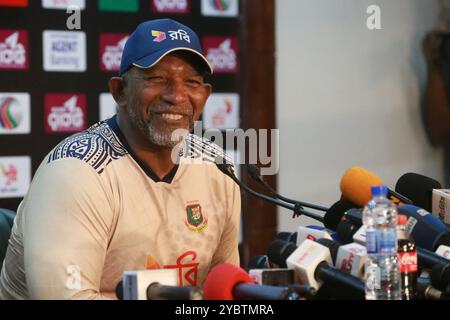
(171, 116)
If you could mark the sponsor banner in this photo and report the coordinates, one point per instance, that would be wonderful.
(14, 3)
(107, 106)
(64, 51)
(171, 6)
(65, 112)
(111, 48)
(14, 113)
(119, 5)
(221, 111)
(222, 53)
(63, 4)
(14, 50)
(220, 8)
(15, 176)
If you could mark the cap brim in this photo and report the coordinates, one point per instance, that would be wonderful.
(152, 59)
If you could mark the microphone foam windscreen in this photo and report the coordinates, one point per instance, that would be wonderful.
(356, 185)
(334, 214)
(279, 250)
(418, 188)
(221, 280)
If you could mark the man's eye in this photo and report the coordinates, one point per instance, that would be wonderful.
(194, 82)
(155, 79)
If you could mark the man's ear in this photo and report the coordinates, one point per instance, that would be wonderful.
(116, 87)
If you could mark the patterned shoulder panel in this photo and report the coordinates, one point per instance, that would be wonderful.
(198, 148)
(97, 146)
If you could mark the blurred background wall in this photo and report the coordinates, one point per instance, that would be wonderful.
(347, 95)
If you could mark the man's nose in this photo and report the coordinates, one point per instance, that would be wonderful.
(175, 92)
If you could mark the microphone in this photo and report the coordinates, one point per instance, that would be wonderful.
(312, 263)
(356, 183)
(160, 284)
(156, 291)
(443, 251)
(418, 188)
(351, 259)
(260, 262)
(229, 282)
(287, 236)
(335, 213)
(281, 277)
(277, 246)
(426, 229)
(254, 172)
(304, 233)
(226, 168)
(441, 204)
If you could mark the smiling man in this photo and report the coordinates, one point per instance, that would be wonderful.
(111, 198)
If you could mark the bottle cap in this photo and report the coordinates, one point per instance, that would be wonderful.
(378, 191)
(402, 219)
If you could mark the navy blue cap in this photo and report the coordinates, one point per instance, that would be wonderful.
(154, 39)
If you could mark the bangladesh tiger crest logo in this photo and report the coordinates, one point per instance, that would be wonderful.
(195, 219)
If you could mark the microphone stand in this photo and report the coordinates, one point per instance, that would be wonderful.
(296, 208)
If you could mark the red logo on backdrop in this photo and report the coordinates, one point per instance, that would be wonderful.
(222, 53)
(111, 48)
(408, 261)
(171, 6)
(65, 113)
(10, 174)
(13, 49)
(14, 3)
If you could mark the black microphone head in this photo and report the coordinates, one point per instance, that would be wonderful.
(259, 262)
(334, 214)
(119, 290)
(345, 231)
(279, 250)
(418, 188)
(440, 276)
(287, 236)
(332, 245)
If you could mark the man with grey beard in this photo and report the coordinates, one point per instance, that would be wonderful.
(111, 199)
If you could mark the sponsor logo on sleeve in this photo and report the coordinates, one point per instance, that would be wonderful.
(13, 50)
(222, 52)
(14, 113)
(15, 176)
(64, 51)
(65, 113)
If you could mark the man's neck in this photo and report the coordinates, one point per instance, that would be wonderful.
(157, 158)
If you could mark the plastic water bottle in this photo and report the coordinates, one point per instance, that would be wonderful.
(382, 269)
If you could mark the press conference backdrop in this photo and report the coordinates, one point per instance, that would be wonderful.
(53, 81)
